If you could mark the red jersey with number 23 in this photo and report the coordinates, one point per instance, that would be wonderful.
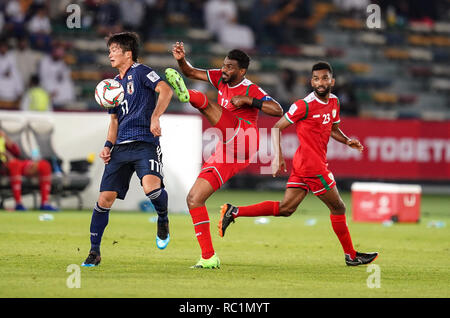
(313, 119)
(226, 93)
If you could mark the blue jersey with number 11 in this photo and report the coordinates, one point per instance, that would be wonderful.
(134, 113)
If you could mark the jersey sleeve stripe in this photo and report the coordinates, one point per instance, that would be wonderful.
(288, 119)
(248, 88)
(306, 111)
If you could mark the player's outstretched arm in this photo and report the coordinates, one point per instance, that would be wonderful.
(165, 95)
(186, 68)
(337, 134)
(278, 163)
(270, 107)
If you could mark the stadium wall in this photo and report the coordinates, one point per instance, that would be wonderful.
(76, 135)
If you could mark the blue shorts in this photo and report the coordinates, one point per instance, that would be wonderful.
(143, 157)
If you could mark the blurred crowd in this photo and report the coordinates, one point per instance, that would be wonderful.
(35, 76)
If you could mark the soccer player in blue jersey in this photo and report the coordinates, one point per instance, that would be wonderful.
(132, 144)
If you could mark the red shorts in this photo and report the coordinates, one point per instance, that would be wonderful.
(233, 155)
(318, 185)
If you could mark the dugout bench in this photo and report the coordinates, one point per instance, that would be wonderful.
(32, 135)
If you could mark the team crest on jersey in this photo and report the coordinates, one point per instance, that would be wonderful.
(333, 112)
(130, 88)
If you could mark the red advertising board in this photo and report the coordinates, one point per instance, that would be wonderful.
(394, 149)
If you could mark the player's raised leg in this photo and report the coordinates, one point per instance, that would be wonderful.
(291, 200)
(211, 110)
(199, 193)
(99, 221)
(159, 198)
(339, 223)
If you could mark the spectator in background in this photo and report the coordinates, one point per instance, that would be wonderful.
(218, 14)
(297, 22)
(288, 89)
(2, 21)
(108, 19)
(291, 18)
(36, 98)
(132, 14)
(196, 13)
(235, 35)
(221, 17)
(260, 14)
(27, 59)
(40, 29)
(14, 18)
(155, 14)
(55, 77)
(11, 87)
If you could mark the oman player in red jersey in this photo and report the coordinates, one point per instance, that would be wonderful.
(235, 116)
(316, 118)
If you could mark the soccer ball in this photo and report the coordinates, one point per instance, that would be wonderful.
(109, 93)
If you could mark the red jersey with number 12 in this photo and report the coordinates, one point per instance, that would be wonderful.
(313, 119)
(226, 93)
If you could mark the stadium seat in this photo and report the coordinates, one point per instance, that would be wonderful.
(396, 54)
(385, 98)
(351, 23)
(64, 184)
(359, 68)
(372, 38)
(420, 54)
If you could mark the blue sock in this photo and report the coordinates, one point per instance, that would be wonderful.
(159, 199)
(99, 221)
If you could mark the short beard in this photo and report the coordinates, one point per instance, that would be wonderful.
(229, 80)
(324, 93)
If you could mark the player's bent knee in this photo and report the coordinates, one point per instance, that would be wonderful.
(338, 209)
(106, 199)
(193, 201)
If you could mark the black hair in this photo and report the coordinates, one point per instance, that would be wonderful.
(241, 57)
(128, 41)
(322, 65)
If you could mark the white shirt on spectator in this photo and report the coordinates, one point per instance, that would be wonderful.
(39, 24)
(219, 13)
(238, 36)
(11, 82)
(27, 63)
(132, 12)
(55, 78)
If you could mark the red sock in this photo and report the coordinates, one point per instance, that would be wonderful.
(339, 224)
(200, 219)
(45, 180)
(197, 99)
(260, 209)
(15, 175)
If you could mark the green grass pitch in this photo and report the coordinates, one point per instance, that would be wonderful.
(285, 258)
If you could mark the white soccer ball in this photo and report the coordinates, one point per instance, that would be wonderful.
(109, 93)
